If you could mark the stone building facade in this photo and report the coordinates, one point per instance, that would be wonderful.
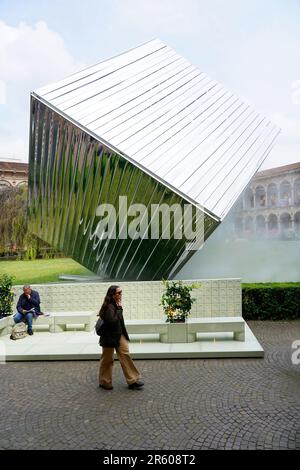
(13, 174)
(270, 205)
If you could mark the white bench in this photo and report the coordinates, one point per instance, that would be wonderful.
(187, 332)
(56, 322)
(235, 325)
(42, 320)
(168, 332)
(62, 319)
(7, 323)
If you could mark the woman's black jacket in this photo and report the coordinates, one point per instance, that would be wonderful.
(113, 326)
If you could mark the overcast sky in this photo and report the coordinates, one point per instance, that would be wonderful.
(250, 46)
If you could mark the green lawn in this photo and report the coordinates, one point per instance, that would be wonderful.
(271, 284)
(41, 271)
(48, 270)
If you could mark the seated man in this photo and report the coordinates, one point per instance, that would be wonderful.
(28, 307)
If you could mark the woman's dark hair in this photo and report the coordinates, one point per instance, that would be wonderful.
(109, 299)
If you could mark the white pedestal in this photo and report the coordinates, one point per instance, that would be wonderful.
(177, 333)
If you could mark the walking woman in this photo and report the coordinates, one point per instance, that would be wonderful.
(113, 336)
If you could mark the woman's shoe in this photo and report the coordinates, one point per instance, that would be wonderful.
(137, 384)
(106, 387)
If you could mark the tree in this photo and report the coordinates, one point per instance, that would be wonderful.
(13, 218)
(14, 234)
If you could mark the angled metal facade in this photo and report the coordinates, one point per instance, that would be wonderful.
(70, 175)
(149, 125)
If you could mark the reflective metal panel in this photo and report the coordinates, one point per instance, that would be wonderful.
(71, 175)
(186, 130)
(148, 126)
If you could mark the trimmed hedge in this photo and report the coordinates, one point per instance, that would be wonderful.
(271, 301)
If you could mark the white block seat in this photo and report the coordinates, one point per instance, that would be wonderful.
(42, 320)
(168, 333)
(7, 323)
(235, 325)
(146, 326)
(56, 322)
(61, 320)
(187, 332)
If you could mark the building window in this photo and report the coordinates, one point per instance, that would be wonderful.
(272, 193)
(285, 225)
(285, 194)
(260, 197)
(297, 191)
(273, 225)
(249, 199)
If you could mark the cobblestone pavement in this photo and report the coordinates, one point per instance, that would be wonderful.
(185, 404)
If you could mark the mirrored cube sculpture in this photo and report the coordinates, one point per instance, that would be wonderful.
(143, 131)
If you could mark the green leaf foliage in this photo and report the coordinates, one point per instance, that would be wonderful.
(6, 295)
(176, 300)
(271, 302)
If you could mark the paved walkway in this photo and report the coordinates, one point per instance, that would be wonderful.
(186, 403)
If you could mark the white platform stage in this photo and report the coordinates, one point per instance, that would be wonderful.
(82, 345)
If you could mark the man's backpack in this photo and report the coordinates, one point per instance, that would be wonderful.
(19, 331)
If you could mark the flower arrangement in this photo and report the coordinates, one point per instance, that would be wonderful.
(177, 301)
